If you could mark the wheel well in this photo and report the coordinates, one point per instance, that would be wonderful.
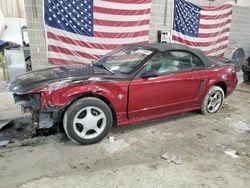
(95, 96)
(222, 85)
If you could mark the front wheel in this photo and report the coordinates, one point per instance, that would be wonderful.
(213, 101)
(87, 121)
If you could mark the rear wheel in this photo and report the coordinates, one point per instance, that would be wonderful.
(87, 121)
(213, 101)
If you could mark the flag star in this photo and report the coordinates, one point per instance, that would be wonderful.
(50, 18)
(74, 26)
(57, 4)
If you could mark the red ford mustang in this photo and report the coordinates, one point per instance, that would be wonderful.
(129, 85)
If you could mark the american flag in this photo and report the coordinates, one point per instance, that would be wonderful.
(206, 28)
(80, 31)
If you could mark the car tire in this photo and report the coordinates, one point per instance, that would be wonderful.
(87, 121)
(213, 100)
(246, 77)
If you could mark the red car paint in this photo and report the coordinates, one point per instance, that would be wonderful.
(146, 99)
(132, 98)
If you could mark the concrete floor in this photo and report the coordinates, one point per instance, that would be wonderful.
(134, 158)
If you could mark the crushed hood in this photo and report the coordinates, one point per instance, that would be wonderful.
(41, 78)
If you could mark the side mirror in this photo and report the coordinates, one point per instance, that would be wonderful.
(150, 74)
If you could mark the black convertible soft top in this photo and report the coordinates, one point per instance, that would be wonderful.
(162, 47)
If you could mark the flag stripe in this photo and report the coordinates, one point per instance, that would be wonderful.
(68, 57)
(112, 17)
(216, 17)
(217, 12)
(57, 61)
(54, 48)
(91, 51)
(121, 35)
(197, 39)
(123, 6)
(208, 35)
(215, 30)
(214, 26)
(121, 11)
(199, 44)
(210, 22)
(130, 1)
(215, 49)
(216, 8)
(121, 24)
(119, 30)
(68, 40)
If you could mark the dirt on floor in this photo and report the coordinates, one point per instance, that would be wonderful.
(185, 150)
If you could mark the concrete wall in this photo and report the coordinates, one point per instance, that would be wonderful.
(240, 31)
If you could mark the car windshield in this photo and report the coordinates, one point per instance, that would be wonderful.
(124, 60)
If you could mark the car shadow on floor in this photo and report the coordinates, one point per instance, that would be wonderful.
(153, 122)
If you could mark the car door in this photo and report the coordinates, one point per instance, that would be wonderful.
(171, 85)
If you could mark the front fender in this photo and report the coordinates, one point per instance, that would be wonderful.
(115, 92)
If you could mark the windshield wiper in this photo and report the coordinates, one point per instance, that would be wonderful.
(101, 65)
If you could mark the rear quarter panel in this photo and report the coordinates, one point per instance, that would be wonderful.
(215, 75)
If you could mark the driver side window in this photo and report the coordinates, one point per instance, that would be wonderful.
(170, 61)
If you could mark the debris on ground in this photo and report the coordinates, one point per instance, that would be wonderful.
(4, 140)
(111, 139)
(116, 146)
(200, 136)
(5, 123)
(232, 153)
(173, 158)
(240, 126)
(26, 142)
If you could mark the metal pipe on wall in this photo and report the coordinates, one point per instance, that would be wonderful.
(165, 13)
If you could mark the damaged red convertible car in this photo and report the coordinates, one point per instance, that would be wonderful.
(131, 84)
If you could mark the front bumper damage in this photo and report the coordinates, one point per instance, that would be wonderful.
(31, 103)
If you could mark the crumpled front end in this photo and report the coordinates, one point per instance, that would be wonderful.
(32, 103)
